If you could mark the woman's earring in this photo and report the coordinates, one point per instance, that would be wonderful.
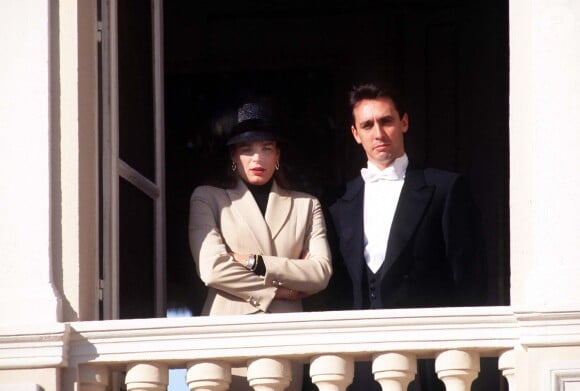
(234, 166)
(277, 165)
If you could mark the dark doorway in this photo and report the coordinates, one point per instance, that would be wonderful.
(450, 59)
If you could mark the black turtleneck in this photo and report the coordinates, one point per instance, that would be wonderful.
(261, 194)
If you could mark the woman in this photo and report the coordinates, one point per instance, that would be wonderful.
(259, 247)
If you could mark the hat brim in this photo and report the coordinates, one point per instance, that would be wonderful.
(254, 135)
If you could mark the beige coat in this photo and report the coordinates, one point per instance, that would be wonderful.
(229, 220)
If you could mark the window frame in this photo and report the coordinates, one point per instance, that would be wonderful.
(114, 168)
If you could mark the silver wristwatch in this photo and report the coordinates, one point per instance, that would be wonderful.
(251, 262)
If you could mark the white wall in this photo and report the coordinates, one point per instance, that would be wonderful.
(545, 152)
(26, 292)
(545, 182)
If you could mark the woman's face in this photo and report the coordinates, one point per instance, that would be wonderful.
(256, 161)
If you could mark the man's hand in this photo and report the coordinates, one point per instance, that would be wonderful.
(289, 294)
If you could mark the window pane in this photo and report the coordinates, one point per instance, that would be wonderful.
(136, 253)
(136, 109)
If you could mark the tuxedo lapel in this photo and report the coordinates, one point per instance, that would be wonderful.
(245, 207)
(279, 206)
(352, 230)
(415, 197)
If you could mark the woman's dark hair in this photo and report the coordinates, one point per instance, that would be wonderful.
(375, 91)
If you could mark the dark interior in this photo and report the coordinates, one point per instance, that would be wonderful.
(449, 58)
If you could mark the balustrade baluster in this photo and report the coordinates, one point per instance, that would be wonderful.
(457, 369)
(209, 376)
(394, 371)
(507, 365)
(332, 372)
(147, 377)
(269, 374)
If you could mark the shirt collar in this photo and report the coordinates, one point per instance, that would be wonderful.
(394, 172)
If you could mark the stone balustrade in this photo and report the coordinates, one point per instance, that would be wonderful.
(267, 344)
(394, 371)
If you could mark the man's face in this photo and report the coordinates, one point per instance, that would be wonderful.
(379, 129)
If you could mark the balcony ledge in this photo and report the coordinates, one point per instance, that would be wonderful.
(489, 330)
(300, 336)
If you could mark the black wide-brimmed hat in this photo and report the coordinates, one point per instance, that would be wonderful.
(254, 123)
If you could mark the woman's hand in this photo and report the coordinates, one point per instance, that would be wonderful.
(240, 258)
(282, 293)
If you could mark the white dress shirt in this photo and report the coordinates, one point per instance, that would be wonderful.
(382, 191)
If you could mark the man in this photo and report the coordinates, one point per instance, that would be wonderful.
(407, 236)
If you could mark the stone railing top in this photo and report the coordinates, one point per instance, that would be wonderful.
(423, 332)
(359, 333)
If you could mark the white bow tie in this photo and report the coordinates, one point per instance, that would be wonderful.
(372, 176)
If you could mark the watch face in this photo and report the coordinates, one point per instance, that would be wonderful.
(251, 262)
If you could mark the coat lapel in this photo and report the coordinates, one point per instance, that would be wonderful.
(245, 207)
(352, 229)
(278, 210)
(415, 197)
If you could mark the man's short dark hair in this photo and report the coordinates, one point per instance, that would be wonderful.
(375, 91)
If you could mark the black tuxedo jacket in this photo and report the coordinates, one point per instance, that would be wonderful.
(435, 254)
